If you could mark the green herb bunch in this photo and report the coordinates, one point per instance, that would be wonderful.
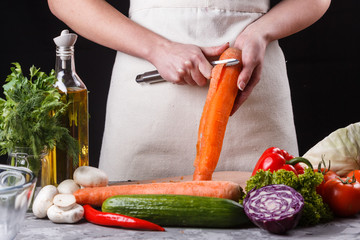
(30, 114)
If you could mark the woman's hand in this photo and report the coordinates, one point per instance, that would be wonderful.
(253, 47)
(284, 19)
(185, 63)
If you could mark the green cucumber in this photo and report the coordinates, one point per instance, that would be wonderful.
(179, 210)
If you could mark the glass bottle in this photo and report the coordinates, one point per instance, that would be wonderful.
(74, 93)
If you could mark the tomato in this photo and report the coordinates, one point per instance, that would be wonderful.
(328, 175)
(342, 195)
(357, 174)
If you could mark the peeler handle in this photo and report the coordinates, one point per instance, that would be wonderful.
(155, 77)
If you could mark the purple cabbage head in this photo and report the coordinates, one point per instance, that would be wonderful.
(275, 208)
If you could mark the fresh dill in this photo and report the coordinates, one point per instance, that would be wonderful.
(30, 114)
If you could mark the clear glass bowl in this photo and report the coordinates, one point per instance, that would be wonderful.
(17, 186)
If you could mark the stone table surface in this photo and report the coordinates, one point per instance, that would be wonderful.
(34, 229)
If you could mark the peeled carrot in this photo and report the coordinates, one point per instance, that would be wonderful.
(221, 189)
(218, 105)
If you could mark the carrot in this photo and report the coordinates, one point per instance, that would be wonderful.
(218, 105)
(221, 189)
(210, 94)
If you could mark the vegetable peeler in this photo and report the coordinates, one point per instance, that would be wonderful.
(154, 76)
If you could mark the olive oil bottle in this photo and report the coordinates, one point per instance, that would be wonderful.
(73, 92)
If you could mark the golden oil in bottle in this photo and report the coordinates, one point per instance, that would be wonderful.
(60, 165)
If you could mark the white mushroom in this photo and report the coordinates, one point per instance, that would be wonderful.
(58, 215)
(88, 176)
(68, 186)
(64, 201)
(44, 200)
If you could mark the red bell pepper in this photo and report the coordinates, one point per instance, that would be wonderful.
(275, 159)
(117, 220)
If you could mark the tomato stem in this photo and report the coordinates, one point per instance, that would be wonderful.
(347, 180)
(323, 163)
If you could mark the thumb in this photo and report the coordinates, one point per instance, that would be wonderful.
(215, 50)
(204, 66)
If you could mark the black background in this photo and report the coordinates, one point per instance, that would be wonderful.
(323, 65)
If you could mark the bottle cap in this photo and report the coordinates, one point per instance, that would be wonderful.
(65, 39)
(64, 50)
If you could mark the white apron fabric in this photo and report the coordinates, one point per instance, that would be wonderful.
(151, 130)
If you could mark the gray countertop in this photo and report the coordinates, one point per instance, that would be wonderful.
(33, 228)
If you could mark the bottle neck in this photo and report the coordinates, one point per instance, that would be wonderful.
(65, 70)
(65, 59)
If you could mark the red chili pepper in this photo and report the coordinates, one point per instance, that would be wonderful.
(275, 159)
(117, 220)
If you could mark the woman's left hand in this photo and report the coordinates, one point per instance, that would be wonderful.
(285, 18)
(253, 46)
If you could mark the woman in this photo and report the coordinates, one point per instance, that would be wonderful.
(151, 130)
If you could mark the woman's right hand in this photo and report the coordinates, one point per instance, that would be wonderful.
(185, 63)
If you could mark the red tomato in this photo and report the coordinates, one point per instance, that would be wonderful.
(342, 196)
(328, 175)
(357, 174)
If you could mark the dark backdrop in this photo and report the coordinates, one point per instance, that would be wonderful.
(323, 65)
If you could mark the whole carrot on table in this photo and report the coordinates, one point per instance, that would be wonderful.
(218, 105)
(221, 189)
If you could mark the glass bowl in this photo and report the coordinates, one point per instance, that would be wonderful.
(17, 185)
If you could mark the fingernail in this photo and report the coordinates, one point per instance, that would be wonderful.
(180, 70)
(188, 63)
(242, 86)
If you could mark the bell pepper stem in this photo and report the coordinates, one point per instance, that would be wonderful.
(300, 160)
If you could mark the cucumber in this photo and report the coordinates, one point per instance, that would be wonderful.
(179, 210)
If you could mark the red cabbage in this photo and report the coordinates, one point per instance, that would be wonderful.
(275, 208)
